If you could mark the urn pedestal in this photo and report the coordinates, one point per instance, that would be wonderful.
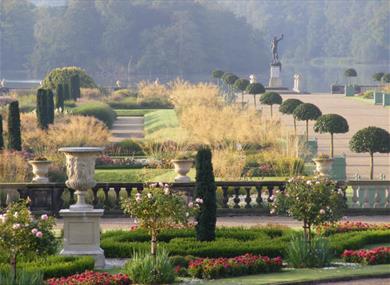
(182, 167)
(81, 221)
(40, 169)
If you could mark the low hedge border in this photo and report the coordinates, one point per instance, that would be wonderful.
(230, 242)
(99, 110)
(56, 266)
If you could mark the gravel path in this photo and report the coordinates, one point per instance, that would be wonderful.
(126, 127)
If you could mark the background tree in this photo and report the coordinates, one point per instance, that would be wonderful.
(229, 79)
(255, 89)
(371, 140)
(1, 133)
(42, 109)
(60, 97)
(241, 85)
(288, 106)
(271, 98)
(50, 106)
(205, 189)
(386, 78)
(349, 73)
(75, 87)
(217, 74)
(14, 135)
(307, 112)
(378, 76)
(67, 95)
(333, 124)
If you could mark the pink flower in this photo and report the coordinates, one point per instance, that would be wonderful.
(190, 204)
(34, 231)
(16, 226)
(44, 217)
(199, 200)
(322, 212)
(39, 234)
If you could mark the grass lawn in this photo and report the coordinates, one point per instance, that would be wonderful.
(133, 112)
(288, 276)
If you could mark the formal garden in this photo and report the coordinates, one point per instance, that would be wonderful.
(215, 153)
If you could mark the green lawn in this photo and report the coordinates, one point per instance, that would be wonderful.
(133, 112)
(288, 276)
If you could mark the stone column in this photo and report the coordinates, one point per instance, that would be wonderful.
(81, 221)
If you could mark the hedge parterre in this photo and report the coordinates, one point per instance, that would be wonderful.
(91, 277)
(379, 255)
(212, 268)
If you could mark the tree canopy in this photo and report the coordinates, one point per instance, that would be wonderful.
(241, 84)
(371, 140)
(350, 72)
(307, 112)
(378, 76)
(271, 98)
(216, 73)
(331, 123)
(229, 78)
(255, 88)
(288, 106)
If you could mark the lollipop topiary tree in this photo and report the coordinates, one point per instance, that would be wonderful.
(229, 79)
(241, 85)
(288, 106)
(333, 124)
(42, 109)
(50, 107)
(378, 76)
(386, 78)
(349, 73)
(217, 74)
(60, 97)
(371, 140)
(307, 112)
(271, 98)
(255, 89)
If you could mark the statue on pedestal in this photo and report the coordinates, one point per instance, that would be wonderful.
(274, 47)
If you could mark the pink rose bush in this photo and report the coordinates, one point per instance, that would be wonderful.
(349, 226)
(379, 255)
(91, 277)
(213, 268)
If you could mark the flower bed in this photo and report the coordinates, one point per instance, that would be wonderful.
(379, 255)
(350, 226)
(212, 268)
(90, 277)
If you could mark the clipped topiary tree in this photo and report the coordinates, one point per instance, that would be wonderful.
(50, 107)
(333, 124)
(63, 75)
(217, 74)
(307, 112)
(229, 79)
(371, 140)
(255, 89)
(240, 85)
(14, 135)
(386, 78)
(205, 189)
(288, 106)
(378, 76)
(42, 109)
(1, 133)
(349, 73)
(75, 87)
(67, 95)
(60, 97)
(271, 98)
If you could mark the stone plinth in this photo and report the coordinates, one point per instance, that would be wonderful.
(275, 80)
(82, 234)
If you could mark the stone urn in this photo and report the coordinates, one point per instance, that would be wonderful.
(323, 165)
(40, 169)
(80, 169)
(182, 167)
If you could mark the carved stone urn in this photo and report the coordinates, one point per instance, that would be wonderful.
(40, 169)
(323, 165)
(80, 169)
(182, 167)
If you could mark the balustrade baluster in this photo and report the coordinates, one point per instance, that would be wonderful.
(366, 198)
(225, 198)
(236, 199)
(270, 193)
(355, 196)
(128, 190)
(95, 196)
(387, 197)
(377, 197)
(106, 204)
(117, 189)
(259, 200)
(248, 198)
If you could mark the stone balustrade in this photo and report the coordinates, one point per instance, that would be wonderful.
(370, 194)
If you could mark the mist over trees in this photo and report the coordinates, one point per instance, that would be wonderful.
(141, 39)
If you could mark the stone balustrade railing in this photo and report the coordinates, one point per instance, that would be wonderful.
(232, 195)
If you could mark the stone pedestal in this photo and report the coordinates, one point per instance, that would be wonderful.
(82, 234)
(297, 83)
(275, 80)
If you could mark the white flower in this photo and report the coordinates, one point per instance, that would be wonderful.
(273, 211)
(340, 191)
(199, 200)
(16, 226)
(16, 214)
(160, 184)
(3, 219)
(272, 197)
(138, 199)
(149, 195)
(153, 185)
(190, 204)
(308, 182)
(318, 182)
(167, 191)
(322, 212)
(187, 214)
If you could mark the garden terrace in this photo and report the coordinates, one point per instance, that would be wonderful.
(233, 197)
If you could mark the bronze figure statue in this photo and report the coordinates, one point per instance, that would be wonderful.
(274, 47)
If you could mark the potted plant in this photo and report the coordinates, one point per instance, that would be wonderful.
(323, 164)
(182, 164)
(40, 169)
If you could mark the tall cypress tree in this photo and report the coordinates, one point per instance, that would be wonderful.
(1, 133)
(75, 87)
(60, 97)
(42, 103)
(14, 136)
(205, 189)
(50, 106)
(67, 91)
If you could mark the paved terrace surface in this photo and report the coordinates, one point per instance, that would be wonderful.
(244, 221)
(376, 281)
(358, 114)
(126, 127)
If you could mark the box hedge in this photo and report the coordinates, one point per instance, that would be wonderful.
(100, 111)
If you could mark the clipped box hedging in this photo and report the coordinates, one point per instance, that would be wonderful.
(230, 242)
(100, 111)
